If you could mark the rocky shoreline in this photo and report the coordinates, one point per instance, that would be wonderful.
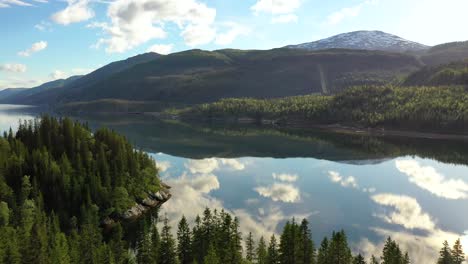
(153, 200)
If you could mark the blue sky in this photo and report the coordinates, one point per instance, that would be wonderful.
(44, 40)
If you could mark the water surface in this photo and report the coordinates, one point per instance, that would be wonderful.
(414, 190)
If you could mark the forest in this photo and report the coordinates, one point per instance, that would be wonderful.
(59, 180)
(407, 108)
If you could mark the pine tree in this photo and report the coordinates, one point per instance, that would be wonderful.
(391, 253)
(167, 252)
(60, 250)
(338, 251)
(262, 251)
(359, 259)
(184, 246)
(249, 248)
(457, 253)
(445, 254)
(273, 251)
(306, 244)
(211, 257)
(322, 256)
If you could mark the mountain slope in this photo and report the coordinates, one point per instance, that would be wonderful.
(367, 40)
(5, 93)
(43, 94)
(455, 73)
(446, 53)
(202, 76)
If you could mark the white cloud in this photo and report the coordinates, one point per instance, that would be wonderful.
(282, 19)
(429, 179)
(235, 30)
(203, 166)
(57, 74)
(35, 47)
(233, 164)
(348, 12)
(209, 165)
(408, 212)
(280, 192)
(76, 11)
(13, 67)
(163, 165)
(282, 10)
(9, 3)
(285, 177)
(343, 181)
(276, 7)
(134, 22)
(161, 48)
(43, 26)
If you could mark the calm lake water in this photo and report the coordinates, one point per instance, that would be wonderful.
(414, 190)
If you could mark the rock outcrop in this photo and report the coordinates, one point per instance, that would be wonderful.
(140, 208)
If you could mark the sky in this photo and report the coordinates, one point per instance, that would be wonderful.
(44, 40)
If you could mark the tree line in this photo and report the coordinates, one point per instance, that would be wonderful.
(412, 108)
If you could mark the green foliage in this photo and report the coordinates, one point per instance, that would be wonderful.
(412, 108)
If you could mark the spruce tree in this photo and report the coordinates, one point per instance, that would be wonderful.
(359, 259)
(374, 260)
(457, 253)
(262, 251)
(445, 254)
(322, 255)
(167, 252)
(249, 248)
(273, 251)
(184, 245)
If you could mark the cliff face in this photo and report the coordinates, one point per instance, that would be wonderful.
(153, 200)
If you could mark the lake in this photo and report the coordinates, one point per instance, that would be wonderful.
(415, 190)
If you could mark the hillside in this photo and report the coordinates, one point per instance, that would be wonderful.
(24, 96)
(446, 53)
(44, 94)
(198, 76)
(5, 93)
(455, 73)
(366, 40)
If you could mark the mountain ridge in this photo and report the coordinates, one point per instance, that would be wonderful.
(364, 39)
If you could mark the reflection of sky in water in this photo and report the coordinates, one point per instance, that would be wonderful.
(10, 119)
(418, 202)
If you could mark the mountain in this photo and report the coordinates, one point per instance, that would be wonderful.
(198, 76)
(23, 95)
(455, 73)
(5, 93)
(446, 53)
(44, 94)
(367, 40)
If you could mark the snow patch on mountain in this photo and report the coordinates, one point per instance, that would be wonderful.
(365, 40)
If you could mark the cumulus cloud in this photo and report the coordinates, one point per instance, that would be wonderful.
(57, 74)
(76, 11)
(43, 26)
(429, 179)
(161, 48)
(35, 47)
(280, 192)
(282, 10)
(134, 22)
(233, 164)
(209, 165)
(202, 166)
(343, 181)
(163, 165)
(407, 212)
(348, 12)
(235, 30)
(13, 67)
(285, 177)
